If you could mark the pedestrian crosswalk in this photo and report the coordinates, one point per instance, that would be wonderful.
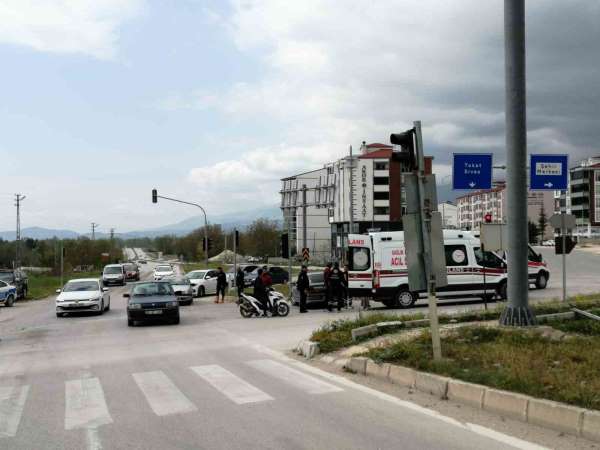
(87, 406)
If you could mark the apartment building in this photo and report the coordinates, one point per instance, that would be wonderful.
(582, 199)
(474, 206)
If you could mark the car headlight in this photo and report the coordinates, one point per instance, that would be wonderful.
(135, 306)
(95, 299)
(172, 304)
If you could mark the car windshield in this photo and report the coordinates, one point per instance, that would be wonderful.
(179, 281)
(79, 286)
(151, 289)
(196, 274)
(113, 269)
(164, 269)
(6, 276)
(130, 267)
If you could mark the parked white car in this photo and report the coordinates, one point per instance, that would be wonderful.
(82, 295)
(203, 282)
(163, 271)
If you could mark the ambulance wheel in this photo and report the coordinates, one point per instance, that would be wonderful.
(502, 290)
(405, 298)
(541, 281)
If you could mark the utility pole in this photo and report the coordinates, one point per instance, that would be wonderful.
(112, 234)
(62, 263)
(235, 234)
(18, 199)
(304, 239)
(289, 255)
(351, 192)
(517, 312)
(94, 226)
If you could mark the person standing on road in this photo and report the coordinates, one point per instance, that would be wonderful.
(260, 293)
(346, 285)
(335, 283)
(239, 281)
(221, 285)
(326, 275)
(302, 284)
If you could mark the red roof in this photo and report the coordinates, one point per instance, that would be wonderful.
(377, 145)
(383, 153)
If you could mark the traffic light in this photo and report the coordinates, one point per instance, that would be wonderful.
(284, 245)
(206, 244)
(487, 218)
(406, 141)
(154, 196)
(569, 244)
(236, 236)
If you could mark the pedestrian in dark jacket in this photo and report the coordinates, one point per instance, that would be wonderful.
(335, 283)
(302, 284)
(239, 281)
(326, 275)
(260, 293)
(221, 285)
(266, 278)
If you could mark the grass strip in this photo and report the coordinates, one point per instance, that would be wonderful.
(44, 285)
(515, 360)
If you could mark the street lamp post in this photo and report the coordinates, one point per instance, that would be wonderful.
(155, 198)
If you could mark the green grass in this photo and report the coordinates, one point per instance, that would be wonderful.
(44, 285)
(580, 325)
(336, 335)
(515, 360)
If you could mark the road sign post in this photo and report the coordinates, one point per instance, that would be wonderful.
(564, 222)
(472, 171)
(423, 231)
(305, 254)
(548, 172)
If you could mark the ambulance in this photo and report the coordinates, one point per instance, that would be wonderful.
(377, 268)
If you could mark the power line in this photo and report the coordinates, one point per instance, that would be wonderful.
(94, 226)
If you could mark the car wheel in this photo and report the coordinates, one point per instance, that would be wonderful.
(24, 292)
(176, 321)
(541, 281)
(101, 308)
(130, 323)
(283, 309)
(405, 298)
(246, 311)
(59, 315)
(201, 291)
(10, 301)
(108, 306)
(502, 290)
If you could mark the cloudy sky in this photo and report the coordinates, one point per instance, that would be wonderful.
(214, 100)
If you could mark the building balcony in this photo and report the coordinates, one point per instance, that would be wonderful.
(381, 173)
(381, 203)
(381, 218)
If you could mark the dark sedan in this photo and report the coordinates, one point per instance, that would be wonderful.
(316, 291)
(151, 301)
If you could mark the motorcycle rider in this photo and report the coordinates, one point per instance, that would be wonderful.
(260, 292)
(302, 284)
(335, 283)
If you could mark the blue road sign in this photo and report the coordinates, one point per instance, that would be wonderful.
(548, 172)
(472, 171)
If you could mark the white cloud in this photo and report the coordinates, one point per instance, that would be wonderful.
(66, 26)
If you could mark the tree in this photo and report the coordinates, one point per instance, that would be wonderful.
(542, 222)
(533, 232)
(261, 238)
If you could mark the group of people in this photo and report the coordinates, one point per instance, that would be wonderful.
(336, 286)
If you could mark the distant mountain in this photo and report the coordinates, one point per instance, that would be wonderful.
(227, 221)
(39, 233)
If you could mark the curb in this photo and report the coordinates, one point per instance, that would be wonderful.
(548, 414)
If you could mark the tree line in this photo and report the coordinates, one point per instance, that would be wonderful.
(261, 238)
(46, 253)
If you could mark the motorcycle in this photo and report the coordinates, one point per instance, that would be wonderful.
(251, 306)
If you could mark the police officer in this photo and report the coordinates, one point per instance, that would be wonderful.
(302, 284)
(239, 281)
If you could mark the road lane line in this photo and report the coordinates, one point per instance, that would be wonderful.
(230, 385)
(12, 401)
(162, 395)
(85, 406)
(477, 429)
(293, 377)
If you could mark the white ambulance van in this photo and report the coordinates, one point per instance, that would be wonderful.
(377, 268)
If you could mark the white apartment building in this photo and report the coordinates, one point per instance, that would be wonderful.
(449, 213)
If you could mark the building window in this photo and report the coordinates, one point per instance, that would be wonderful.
(381, 195)
(381, 180)
(381, 211)
(381, 165)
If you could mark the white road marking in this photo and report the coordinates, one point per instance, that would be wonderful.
(477, 429)
(92, 439)
(231, 385)
(85, 406)
(162, 395)
(12, 401)
(293, 377)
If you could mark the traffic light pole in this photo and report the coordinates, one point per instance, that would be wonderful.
(563, 230)
(517, 312)
(205, 223)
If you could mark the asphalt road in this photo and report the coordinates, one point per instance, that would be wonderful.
(216, 381)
